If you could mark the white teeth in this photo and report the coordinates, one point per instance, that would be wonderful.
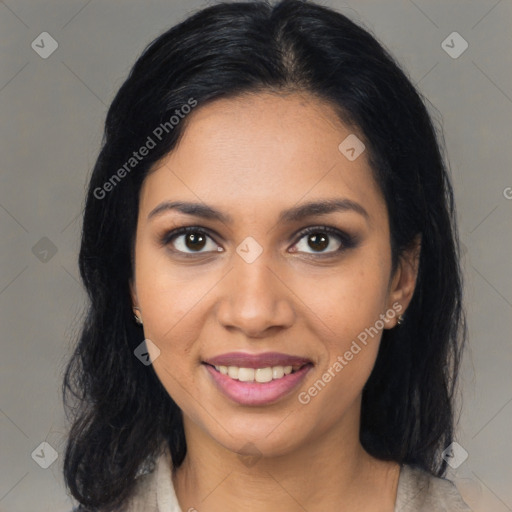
(277, 372)
(255, 374)
(246, 374)
(263, 374)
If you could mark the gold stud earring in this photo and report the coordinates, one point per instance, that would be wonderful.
(138, 320)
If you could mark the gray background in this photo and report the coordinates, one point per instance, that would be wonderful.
(52, 112)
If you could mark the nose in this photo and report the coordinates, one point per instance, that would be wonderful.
(255, 299)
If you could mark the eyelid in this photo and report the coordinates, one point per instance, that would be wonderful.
(347, 241)
(168, 235)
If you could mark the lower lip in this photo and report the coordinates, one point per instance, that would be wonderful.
(257, 393)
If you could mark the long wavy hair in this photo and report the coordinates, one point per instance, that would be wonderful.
(121, 414)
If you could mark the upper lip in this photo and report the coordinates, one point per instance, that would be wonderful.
(264, 360)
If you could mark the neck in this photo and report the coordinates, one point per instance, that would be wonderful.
(329, 473)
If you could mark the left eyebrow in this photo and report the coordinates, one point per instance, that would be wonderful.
(324, 207)
(294, 214)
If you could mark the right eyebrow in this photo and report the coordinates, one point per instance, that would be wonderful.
(196, 209)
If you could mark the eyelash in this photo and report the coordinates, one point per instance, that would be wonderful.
(347, 241)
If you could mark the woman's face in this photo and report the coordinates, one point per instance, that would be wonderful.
(248, 280)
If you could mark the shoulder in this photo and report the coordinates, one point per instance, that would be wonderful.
(420, 491)
(153, 490)
(144, 498)
(144, 495)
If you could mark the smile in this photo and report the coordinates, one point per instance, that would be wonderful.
(256, 386)
(256, 374)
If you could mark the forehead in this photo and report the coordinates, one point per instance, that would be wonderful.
(262, 149)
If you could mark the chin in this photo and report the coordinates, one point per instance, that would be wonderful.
(253, 440)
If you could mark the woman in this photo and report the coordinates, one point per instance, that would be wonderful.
(271, 257)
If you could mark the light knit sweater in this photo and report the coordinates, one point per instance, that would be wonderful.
(418, 491)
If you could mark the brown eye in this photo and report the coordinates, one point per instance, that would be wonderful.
(190, 240)
(318, 240)
(195, 241)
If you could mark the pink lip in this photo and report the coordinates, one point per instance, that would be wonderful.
(257, 393)
(245, 360)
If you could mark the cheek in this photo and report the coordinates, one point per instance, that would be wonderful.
(167, 301)
(167, 297)
(347, 300)
(171, 313)
(345, 314)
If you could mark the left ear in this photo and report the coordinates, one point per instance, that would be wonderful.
(403, 282)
